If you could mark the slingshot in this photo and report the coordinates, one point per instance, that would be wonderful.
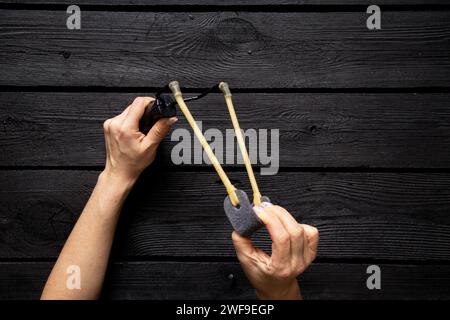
(237, 206)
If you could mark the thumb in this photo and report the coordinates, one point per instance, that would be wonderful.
(242, 245)
(160, 130)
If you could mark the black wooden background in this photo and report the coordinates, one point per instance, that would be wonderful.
(364, 120)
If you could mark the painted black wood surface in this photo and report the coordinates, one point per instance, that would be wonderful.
(364, 139)
(247, 49)
(325, 129)
(397, 216)
(225, 280)
(230, 2)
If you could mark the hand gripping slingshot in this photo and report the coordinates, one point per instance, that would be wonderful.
(237, 206)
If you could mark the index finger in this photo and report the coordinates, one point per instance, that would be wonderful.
(136, 112)
(281, 243)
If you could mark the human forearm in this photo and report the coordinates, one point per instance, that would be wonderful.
(128, 153)
(89, 244)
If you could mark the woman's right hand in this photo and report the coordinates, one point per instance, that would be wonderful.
(294, 247)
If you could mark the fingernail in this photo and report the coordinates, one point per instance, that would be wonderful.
(258, 209)
(260, 213)
(266, 204)
(173, 120)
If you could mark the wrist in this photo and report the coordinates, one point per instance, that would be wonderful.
(290, 292)
(108, 197)
(115, 183)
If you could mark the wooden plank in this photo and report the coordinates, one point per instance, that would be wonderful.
(225, 280)
(316, 130)
(248, 49)
(229, 2)
(398, 216)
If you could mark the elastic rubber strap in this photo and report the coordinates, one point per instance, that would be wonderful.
(223, 86)
(231, 190)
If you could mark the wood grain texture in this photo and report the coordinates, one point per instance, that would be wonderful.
(230, 2)
(248, 49)
(316, 130)
(398, 216)
(225, 280)
(173, 230)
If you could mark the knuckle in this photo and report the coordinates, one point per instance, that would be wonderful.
(114, 126)
(300, 269)
(283, 238)
(121, 131)
(106, 124)
(140, 100)
(315, 232)
(298, 232)
(285, 273)
(157, 132)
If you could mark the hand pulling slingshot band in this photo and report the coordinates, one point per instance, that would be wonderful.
(237, 206)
